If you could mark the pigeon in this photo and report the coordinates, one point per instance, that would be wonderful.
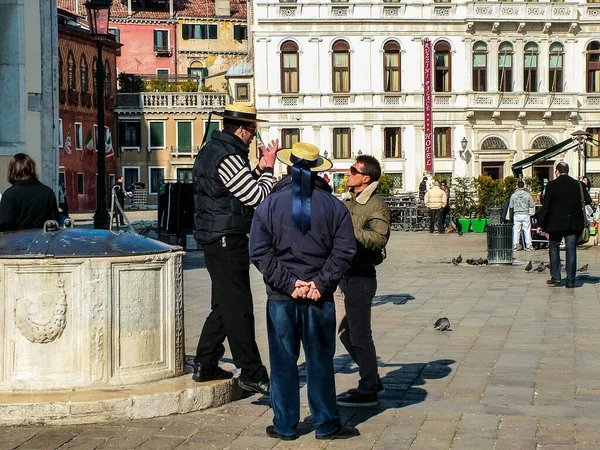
(480, 261)
(442, 324)
(469, 261)
(541, 267)
(459, 259)
(454, 261)
(529, 266)
(485, 262)
(583, 268)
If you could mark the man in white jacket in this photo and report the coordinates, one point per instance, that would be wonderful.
(521, 203)
(436, 200)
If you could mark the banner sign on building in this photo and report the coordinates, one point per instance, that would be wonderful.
(427, 102)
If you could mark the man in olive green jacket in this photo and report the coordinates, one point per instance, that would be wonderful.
(371, 220)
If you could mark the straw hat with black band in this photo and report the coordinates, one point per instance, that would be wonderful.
(304, 158)
(235, 113)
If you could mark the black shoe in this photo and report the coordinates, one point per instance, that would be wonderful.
(342, 432)
(260, 387)
(570, 285)
(284, 437)
(552, 282)
(380, 388)
(355, 398)
(202, 375)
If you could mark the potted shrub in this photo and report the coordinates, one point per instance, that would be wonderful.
(487, 194)
(463, 201)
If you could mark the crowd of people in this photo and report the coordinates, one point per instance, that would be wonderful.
(317, 254)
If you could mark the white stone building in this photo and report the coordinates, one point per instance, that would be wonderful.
(511, 78)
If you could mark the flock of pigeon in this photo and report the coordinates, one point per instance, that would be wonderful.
(543, 266)
(472, 262)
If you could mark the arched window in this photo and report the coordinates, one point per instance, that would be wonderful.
(289, 67)
(71, 72)
(542, 143)
(84, 75)
(340, 62)
(493, 143)
(196, 69)
(555, 79)
(443, 67)
(94, 76)
(480, 51)
(530, 66)
(593, 66)
(505, 67)
(391, 67)
(107, 80)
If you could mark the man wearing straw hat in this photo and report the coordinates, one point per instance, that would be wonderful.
(302, 242)
(226, 192)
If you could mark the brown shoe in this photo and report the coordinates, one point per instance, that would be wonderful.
(552, 282)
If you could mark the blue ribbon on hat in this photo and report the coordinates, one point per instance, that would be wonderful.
(301, 192)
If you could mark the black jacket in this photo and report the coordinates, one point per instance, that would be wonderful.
(562, 209)
(216, 210)
(27, 204)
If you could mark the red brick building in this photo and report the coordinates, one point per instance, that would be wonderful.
(77, 54)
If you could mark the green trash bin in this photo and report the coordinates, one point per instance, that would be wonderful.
(499, 244)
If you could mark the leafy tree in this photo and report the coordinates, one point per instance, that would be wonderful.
(533, 185)
(463, 196)
(385, 185)
(487, 195)
(129, 83)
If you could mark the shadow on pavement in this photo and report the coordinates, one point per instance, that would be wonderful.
(396, 299)
(586, 279)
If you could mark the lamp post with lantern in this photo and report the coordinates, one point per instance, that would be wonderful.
(98, 12)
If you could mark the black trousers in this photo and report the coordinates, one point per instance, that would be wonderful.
(232, 315)
(436, 216)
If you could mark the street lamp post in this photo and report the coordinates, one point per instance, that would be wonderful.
(581, 137)
(98, 18)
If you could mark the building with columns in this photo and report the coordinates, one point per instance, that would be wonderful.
(509, 79)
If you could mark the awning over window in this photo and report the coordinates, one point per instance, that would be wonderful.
(543, 155)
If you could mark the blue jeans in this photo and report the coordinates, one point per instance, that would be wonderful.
(570, 254)
(290, 322)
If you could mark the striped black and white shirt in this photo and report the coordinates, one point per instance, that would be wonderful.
(235, 173)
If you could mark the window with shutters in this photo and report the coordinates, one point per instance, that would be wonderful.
(391, 66)
(116, 33)
(443, 67)
(196, 69)
(505, 67)
(184, 137)
(156, 135)
(161, 41)
(555, 79)
(210, 128)
(156, 175)
(199, 31)
(591, 147)
(530, 66)
(393, 148)
(71, 72)
(129, 135)
(342, 148)
(289, 136)
(240, 32)
(480, 66)
(78, 136)
(593, 66)
(289, 67)
(441, 142)
(340, 67)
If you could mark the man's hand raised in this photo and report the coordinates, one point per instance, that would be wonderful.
(268, 154)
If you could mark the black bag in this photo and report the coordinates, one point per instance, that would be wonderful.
(585, 233)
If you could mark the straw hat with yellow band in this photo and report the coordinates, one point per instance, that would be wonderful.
(242, 113)
(305, 155)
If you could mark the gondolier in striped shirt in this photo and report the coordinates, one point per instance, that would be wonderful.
(226, 191)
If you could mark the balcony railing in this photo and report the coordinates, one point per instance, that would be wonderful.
(519, 101)
(162, 51)
(530, 11)
(172, 100)
(178, 152)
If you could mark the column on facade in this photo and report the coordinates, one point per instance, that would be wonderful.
(314, 82)
(262, 82)
(413, 157)
(519, 46)
(368, 143)
(372, 65)
(493, 64)
(316, 138)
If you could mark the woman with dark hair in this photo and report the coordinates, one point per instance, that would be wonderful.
(587, 183)
(27, 203)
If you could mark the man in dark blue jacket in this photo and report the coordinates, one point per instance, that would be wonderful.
(561, 216)
(302, 241)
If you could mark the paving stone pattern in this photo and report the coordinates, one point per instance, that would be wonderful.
(520, 370)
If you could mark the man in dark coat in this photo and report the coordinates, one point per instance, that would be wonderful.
(302, 241)
(561, 216)
(120, 194)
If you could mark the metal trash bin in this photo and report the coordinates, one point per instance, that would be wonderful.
(499, 244)
(495, 215)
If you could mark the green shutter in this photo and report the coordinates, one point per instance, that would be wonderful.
(185, 31)
(212, 32)
(157, 136)
(236, 33)
(184, 136)
(212, 127)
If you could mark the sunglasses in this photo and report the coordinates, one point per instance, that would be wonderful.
(355, 171)
(249, 129)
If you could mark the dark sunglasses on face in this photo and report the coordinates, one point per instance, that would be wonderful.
(355, 171)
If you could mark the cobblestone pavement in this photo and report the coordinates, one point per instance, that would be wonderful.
(520, 370)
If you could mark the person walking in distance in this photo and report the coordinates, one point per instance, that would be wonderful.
(302, 242)
(226, 192)
(422, 189)
(436, 200)
(561, 216)
(371, 220)
(120, 194)
(520, 203)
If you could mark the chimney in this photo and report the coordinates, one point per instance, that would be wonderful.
(222, 8)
